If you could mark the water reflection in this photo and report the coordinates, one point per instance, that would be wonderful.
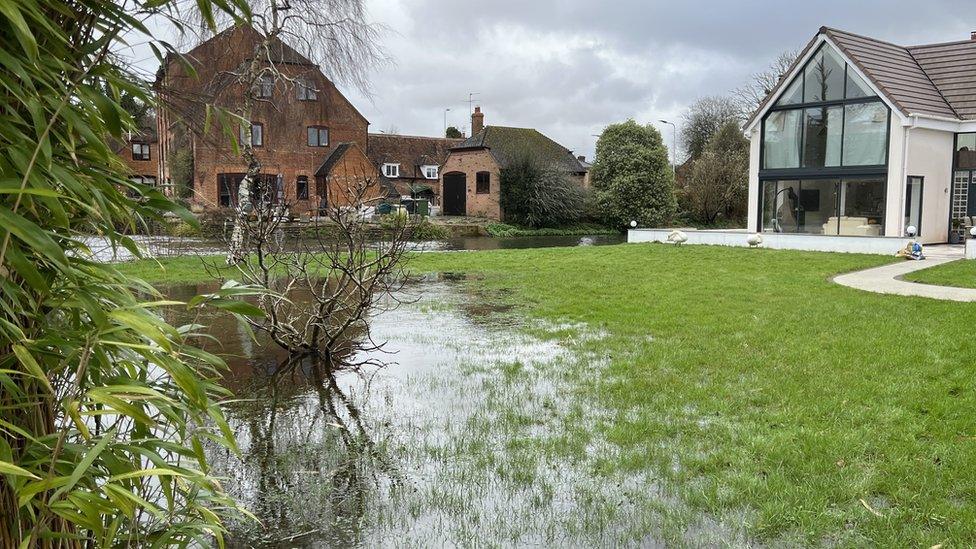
(474, 434)
(310, 466)
(167, 246)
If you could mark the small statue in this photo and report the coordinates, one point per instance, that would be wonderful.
(912, 250)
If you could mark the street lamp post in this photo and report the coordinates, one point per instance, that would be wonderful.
(674, 145)
(445, 120)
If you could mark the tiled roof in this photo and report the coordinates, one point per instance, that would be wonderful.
(410, 152)
(952, 68)
(895, 72)
(506, 144)
(936, 79)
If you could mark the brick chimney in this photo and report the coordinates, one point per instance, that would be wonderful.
(477, 121)
(972, 36)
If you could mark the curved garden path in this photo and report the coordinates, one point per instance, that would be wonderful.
(887, 278)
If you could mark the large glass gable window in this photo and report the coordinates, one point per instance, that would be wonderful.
(827, 117)
(824, 153)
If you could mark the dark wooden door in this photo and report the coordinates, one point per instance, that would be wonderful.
(455, 194)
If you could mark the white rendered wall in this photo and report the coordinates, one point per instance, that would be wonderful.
(779, 241)
(755, 142)
(930, 156)
(895, 193)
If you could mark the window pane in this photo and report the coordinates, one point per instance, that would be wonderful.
(966, 151)
(913, 204)
(865, 134)
(793, 94)
(818, 207)
(781, 141)
(824, 76)
(822, 137)
(313, 136)
(862, 207)
(323, 137)
(856, 86)
(257, 135)
(780, 202)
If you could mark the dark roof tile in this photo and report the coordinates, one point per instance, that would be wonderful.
(934, 79)
(410, 152)
(506, 144)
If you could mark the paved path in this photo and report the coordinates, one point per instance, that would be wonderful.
(886, 279)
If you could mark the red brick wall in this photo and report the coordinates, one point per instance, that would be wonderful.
(470, 163)
(285, 119)
(145, 168)
(353, 178)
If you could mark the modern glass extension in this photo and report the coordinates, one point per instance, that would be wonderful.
(963, 206)
(824, 154)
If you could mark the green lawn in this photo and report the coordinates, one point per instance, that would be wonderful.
(957, 273)
(755, 387)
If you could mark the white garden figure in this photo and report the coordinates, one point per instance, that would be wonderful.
(677, 237)
(754, 240)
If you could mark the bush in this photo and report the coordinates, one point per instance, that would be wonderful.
(718, 189)
(504, 230)
(632, 177)
(426, 231)
(183, 229)
(536, 194)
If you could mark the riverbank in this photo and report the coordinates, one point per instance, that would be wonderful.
(759, 392)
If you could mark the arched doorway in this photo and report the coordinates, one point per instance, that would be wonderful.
(455, 194)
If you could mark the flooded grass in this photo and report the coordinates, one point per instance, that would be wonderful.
(650, 395)
(477, 434)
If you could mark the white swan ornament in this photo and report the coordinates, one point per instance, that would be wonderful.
(677, 237)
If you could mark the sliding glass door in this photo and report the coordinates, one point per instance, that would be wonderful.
(850, 207)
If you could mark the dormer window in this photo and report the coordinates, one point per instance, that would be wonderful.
(430, 172)
(391, 171)
(306, 91)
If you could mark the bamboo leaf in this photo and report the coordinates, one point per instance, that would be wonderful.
(11, 469)
(27, 361)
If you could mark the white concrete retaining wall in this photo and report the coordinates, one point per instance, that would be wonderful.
(778, 241)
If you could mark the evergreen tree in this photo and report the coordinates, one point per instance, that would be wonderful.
(632, 176)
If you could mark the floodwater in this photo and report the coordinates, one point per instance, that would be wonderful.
(168, 246)
(473, 434)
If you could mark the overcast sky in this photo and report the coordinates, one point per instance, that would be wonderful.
(570, 67)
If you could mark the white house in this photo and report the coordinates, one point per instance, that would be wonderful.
(866, 138)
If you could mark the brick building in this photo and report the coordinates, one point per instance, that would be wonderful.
(470, 177)
(138, 152)
(410, 165)
(298, 122)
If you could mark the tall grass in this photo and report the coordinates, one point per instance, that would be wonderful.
(104, 407)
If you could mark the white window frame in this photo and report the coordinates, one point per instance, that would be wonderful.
(144, 152)
(436, 170)
(391, 171)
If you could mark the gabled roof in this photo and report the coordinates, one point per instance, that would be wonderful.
(334, 157)
(936, 80)
(506, 144)
(894, 71)
(952, 68)
(409, 151)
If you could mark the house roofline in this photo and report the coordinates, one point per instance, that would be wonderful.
(808, 52)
